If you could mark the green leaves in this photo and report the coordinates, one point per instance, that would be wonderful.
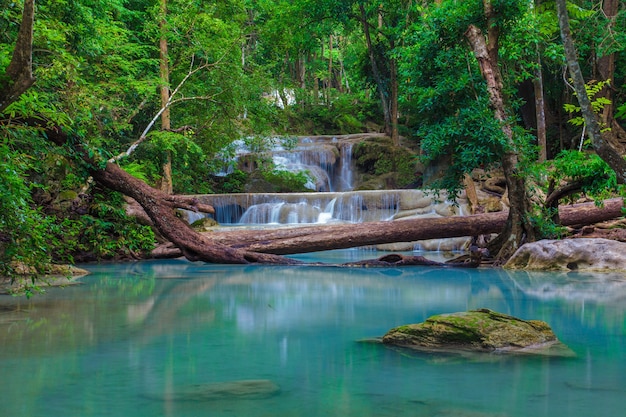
(23, 229)
(598, 103)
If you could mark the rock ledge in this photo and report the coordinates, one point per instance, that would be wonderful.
(601, 255)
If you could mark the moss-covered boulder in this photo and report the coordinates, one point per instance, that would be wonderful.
(480, 330)
(204, 224)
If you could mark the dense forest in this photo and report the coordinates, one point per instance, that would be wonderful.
(163, 88)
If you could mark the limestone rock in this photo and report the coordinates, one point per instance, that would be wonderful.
(601, 255)
(480, 330)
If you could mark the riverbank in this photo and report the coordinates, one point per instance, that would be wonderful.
(56, 276)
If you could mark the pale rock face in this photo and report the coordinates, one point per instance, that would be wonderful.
(600, 255)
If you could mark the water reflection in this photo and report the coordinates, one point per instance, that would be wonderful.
(133, 337)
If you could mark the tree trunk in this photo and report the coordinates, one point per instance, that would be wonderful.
(393, 114)
(600, 143)
(540, 111)
(167, 184)
(605, 64)
(375, 72)
(605, 67)
(18, 76)
(286, 241)
(244, 247)
(518, 228)
(160, 208)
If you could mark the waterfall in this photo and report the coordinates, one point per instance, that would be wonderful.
(345, 180)
(326, 160)
(329, 163)
(338, 207)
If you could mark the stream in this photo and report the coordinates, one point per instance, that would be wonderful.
(173, 338)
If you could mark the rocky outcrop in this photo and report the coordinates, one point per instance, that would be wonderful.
(480, 330)
(53, 276)
(601, 255)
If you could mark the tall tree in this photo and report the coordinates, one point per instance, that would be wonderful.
(518, 228)
(606, 66)
(20, 70)
(385, 20)
(464, 117)
(600, 143)
(167, 182)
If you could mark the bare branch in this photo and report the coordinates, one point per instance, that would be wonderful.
(169, 103)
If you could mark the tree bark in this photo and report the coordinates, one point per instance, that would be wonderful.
(605, 67)
(18, 76)
(600, 143)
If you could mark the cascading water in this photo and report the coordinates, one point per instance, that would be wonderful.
(345, 180)
(329, 162)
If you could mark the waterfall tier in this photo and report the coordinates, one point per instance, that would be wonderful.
(328, 161)
(325, 159)
(347, 207)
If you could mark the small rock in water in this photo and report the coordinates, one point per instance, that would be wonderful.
(241, 389)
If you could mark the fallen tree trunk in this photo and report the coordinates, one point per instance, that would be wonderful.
(286, 241)
(267, 246)
(160, 208)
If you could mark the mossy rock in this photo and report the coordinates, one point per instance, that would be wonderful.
(396, 165)
(204, 224)
(480, 330)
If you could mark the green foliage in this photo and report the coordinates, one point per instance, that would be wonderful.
(472, 137)
(287, 181)
(23, 229)
(445, 94)
(381, 158)
(137, 170)
(346, 113)
(597, 180)
(598, 103)
(544, 226)
(104, 232)
(232, 183)
(593, 177)
(97, 70)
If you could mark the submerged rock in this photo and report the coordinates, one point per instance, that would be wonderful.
(601, 255)
(480, 330)
(241, 389)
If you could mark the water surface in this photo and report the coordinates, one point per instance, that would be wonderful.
(132, 337)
